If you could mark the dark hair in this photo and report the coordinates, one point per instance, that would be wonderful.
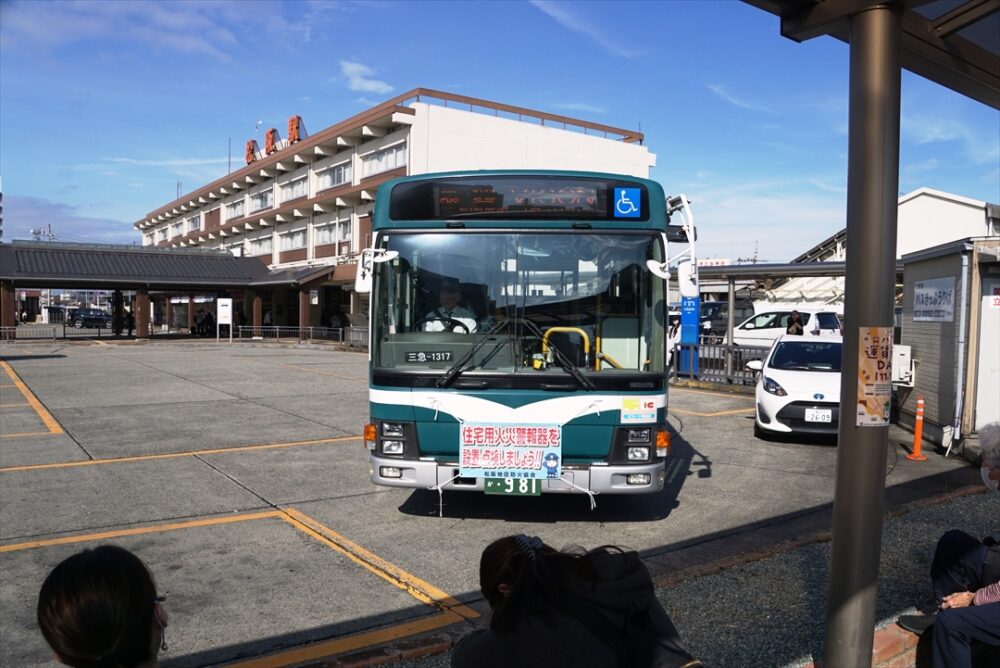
(536, 573)
(96, 609)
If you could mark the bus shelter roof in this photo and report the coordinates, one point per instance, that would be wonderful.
(955, 43)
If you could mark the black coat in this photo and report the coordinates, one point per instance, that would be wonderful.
(622, 592)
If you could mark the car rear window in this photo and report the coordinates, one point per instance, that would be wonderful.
(807, 356)
(828, 320)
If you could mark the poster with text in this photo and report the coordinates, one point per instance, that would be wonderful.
(874, 377)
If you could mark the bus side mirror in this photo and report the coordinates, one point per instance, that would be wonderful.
(755, 365)
(369, 258)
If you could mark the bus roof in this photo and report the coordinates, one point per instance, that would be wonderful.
(529, 199)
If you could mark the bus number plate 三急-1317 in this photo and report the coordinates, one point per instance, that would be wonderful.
(423, 357)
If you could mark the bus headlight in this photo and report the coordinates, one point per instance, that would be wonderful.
(392, 430)
(637, 479)
(392, 447)
(638, 454)
(638, 436)
(390, 472)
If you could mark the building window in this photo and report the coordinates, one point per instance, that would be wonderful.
(161, 234)
(147, 239)
(234, 209)
(194, 224)
(384, 160)
(333, 176)
(261, 200)
(293, 240)
(175, 230)
(327, 234)
(260, 246)
(294, 189)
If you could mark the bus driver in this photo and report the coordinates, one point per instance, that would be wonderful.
(449, 316)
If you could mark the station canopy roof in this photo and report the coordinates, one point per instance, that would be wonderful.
(98, 266)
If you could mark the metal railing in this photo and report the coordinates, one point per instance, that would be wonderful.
(717, 363)
(28, 333)
(282, 333)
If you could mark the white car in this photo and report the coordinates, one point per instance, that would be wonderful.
(798, 386)
(763, 328)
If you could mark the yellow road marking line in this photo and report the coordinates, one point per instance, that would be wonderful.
(46, 417)
(735, 411)
(323, 373)
(417, 588)
(25, 434)
(451, 610)
(350, 643)
(175, 455)
(138, 531)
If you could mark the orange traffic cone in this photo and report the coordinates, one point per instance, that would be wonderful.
(918, 432)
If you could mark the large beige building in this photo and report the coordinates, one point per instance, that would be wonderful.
(303, 204)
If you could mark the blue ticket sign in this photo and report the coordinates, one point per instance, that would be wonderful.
(690, 320)
(527, 451)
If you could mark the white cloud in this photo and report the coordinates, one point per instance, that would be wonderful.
(580, 106)
(561, 14)
(359, 78)
(927, 129)
(722, 93)
(22, 214)
(781, 218)
(928, 165)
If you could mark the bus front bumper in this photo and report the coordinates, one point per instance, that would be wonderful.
(575, 479)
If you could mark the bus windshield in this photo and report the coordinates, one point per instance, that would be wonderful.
(524, 302)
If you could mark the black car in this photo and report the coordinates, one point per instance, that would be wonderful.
(90, 317)
(714, 317)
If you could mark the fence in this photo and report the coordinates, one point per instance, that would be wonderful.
(28, 333)
(282, 333)
(709, 362)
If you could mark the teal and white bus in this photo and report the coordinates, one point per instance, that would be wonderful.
(518, 332)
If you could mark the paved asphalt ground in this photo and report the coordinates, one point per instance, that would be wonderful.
(236, 472)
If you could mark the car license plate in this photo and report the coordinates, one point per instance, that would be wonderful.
(819, 415)
(513, 486)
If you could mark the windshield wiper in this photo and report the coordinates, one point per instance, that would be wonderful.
(560, 358)
(455, 370)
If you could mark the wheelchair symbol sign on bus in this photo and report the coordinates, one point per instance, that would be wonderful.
(627, 201)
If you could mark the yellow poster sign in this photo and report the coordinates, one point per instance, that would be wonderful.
(874, 376)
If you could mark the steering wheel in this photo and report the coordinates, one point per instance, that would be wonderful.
(451, 322)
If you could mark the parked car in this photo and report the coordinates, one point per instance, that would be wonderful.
(90, 317)
(798, 386)
(714, 318)
(763, 328)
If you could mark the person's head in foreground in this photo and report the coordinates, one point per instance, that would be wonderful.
(99, 609)
(989, 442)
(518, 574)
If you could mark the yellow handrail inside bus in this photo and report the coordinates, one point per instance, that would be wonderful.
(604, 357)
(568, 330)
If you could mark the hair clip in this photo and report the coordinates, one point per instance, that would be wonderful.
(528, 544)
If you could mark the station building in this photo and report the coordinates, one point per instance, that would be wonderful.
(302, 204)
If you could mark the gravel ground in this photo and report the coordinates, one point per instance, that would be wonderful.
(782, 599)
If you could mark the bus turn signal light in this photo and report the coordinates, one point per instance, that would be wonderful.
(662, 443)
(370, 434)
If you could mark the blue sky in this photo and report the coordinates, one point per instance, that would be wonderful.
(104, 105)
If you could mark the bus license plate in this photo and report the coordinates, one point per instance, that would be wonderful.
(513, 486)
(819, 415)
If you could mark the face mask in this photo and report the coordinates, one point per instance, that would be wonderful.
(993, 485)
